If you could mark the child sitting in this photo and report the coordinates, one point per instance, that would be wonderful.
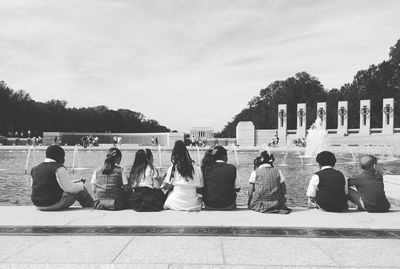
(109, 184)
(328, 187)
(267, 187)
(367, 189)
(145, 182)
(220, 184)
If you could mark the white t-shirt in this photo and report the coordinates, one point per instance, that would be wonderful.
(148, 179)
(178, 179)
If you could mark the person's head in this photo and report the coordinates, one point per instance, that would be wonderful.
(113, 157)
(326, 158)
(181, 158)
(56, 153)
(264, 157)
(139, 165)
(219, 153)
(368, 162)
(149, 156)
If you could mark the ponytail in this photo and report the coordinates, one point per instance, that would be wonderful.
(112, 157)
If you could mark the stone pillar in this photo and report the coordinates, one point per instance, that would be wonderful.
(342, 127)
(365, 117)
(321, 113)
(388, 116)
(301, 120)
(282, 123)
(245, 133)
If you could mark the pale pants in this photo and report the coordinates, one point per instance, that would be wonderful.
(68, 199)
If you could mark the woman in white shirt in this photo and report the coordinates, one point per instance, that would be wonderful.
(145, 182)
(183, 179)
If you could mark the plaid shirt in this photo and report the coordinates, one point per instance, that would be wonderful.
(268, 194)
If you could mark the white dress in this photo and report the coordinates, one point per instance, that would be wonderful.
(184, 196)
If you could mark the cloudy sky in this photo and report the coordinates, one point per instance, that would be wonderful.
(186, 63)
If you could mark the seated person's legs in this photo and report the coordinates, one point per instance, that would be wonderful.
(355, 197)
(84, 198)
(66, 201)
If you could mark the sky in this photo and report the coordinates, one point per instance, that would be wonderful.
(187, 63)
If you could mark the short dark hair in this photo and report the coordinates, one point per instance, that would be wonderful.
(325, 158)
(55, 152)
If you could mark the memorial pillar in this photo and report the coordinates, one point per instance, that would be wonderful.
(321, 113)
(245, 133)
(342, 127)
(365, 117)
(301, 120)
(282, 123)
(388, 116)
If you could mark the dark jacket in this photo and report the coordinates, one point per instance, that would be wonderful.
(331, 195)
(370, 187)
(219, 185)
(45, 189)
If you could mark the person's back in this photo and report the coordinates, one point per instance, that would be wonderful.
(45, 189)
(367, 188)
(331, 194)
(109, 185)
(219, 185)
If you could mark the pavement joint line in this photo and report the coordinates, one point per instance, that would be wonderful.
(122, 250)
(221, 231)
(326, 253)
(221, 242)
(22, 249)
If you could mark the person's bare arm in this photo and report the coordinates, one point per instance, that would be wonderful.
(250, 193)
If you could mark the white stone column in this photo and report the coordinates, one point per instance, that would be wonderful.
(282, 123)
(342, 127)
(245, 133)
(301, 120)
(365, 117)
(321, 113)
(388, 116)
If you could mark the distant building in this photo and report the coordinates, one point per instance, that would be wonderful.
(201, 132)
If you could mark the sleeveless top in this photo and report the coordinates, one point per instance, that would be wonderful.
(331, 195)
(45, 189)
(109, 186)
(268, 194)
(219, 185)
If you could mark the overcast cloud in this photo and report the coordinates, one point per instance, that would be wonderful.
(186, 63)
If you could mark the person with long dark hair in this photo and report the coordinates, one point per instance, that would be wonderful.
(109, 183)
(145, 182)
(220, 184)
(267, 187)
(182, 181)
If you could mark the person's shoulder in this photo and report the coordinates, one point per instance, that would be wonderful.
(230, 166)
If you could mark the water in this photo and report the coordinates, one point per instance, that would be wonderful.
(317, 139)
(15, 184)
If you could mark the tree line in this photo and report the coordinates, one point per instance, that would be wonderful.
(20, 113)
(375, 83)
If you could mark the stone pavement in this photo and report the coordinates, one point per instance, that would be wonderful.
(84, 238)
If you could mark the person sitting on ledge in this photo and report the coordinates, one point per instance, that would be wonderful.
(220, 186)
(328, 188)
(145, 181)
(110, 184)
(52, 186)
(267, 187)
(366, 189)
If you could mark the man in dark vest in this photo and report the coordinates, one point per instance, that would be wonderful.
(367, 189)
(52, 186)
(328, 188)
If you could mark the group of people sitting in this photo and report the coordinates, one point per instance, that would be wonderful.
(189, 187)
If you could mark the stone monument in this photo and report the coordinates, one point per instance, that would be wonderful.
(388, 116)
(245, 134)
(365, 117)
(321, 113)
(342, 127)
(282, 123)
(301, 120)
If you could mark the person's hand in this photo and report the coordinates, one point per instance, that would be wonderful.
(83, 180)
